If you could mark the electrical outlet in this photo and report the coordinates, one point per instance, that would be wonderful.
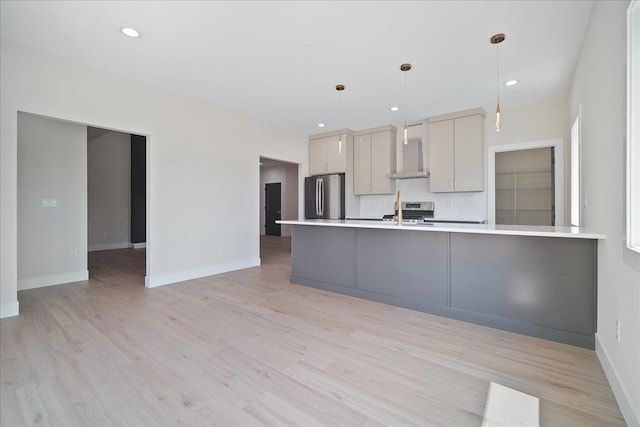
(48, 203)
(105, 234)
(585, 201)
(73, 254)
(221, 249)
(618, 331)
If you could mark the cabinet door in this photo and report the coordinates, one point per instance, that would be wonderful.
(362, 164)
(336, 155)
(381, 163)
(318, 162)
(468, 154)
(441, 160)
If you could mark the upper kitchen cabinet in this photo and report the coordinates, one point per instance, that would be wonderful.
(326, 154)
(456, 151)
(374, 160)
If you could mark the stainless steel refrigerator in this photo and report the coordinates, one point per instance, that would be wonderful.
(324, 197)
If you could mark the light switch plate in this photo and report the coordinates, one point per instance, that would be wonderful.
(48, 203)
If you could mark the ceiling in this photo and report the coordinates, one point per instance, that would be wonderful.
(280, 60)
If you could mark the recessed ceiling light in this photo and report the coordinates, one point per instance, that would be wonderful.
(320, 125)
(130, 32)
(394, 108)
(511, 83)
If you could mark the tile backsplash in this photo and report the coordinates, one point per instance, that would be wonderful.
(453, 206)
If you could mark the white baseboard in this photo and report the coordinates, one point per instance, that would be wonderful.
(631, 416)
(167, 279)
(55, 279)
(141, 245)
(9, 309)
(109, 246)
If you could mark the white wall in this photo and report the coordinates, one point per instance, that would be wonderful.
(290, 204)
(599, 85)
(196, 153)
(52, 164)
(109, 191)
(287, 175)
(525, 123)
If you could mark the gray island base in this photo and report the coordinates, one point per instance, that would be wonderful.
(534, 285)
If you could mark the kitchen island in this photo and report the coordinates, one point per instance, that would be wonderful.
(538, 281)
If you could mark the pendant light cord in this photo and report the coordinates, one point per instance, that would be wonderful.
(405, 100)
(339, 105)
(498, 72)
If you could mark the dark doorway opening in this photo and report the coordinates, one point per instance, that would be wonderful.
(273, 208)
(138, 190)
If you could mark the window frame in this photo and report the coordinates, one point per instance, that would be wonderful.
(632, 235)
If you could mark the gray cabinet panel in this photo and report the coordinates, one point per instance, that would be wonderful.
(542, 281)
(404, 264)
(539, 286)
(324, 254)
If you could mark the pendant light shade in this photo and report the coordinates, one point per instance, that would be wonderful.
(404, 68)
(497, 39)
(340, 88)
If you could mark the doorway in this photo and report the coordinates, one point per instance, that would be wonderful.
(279, 190)
(272, 209)
(116, 172)
(53, 203)
(525, 184)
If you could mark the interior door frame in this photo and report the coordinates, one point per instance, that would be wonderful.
(557, 144)
(147, 276)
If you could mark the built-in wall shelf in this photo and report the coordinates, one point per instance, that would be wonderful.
(535, 172)
(524, 189)
(526, 210)
(409, 175)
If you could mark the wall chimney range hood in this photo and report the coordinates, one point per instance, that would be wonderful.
(412, 161)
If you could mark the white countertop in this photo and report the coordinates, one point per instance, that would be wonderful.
(447, 219)
(513, 230)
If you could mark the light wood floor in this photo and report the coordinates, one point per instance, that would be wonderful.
(248, 348)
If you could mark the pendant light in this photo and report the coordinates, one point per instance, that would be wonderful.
(340, 88)
(497, 39)
(404, 68)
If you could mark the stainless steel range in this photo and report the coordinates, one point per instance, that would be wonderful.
(413, 212)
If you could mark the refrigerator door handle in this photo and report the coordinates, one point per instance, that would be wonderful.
(321, 196)
(317, 196)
